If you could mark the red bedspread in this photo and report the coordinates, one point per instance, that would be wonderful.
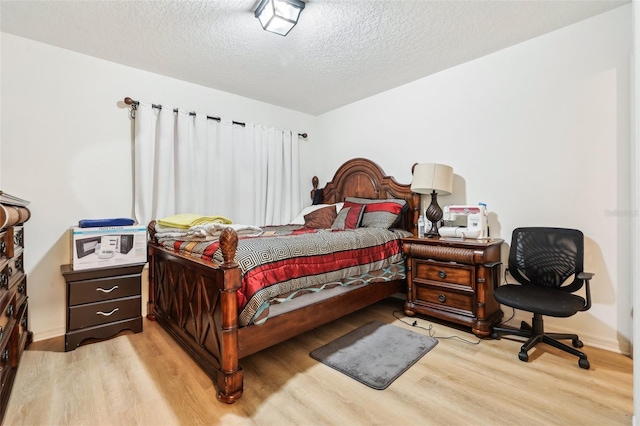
(290, 258)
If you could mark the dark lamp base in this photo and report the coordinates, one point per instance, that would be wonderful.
(434, 215)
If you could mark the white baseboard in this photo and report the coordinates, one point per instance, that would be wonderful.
(48, 334)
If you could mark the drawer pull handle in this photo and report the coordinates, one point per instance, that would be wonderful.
(442, 298)
(5, 356)
(108, 314)
(10, 311)
(442, 274)
(3, 247)
(107, 291)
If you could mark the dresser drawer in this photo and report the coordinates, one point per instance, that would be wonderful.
(18, 238)
(444, 299)
(97, 313)
(4, 275)
(6, 300)
(6, 244)
(5, 365)
(15, 269)
(443, 272)
(22, 326)
(20, 290)
(101, 289)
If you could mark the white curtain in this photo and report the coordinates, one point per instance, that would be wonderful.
(191, 164)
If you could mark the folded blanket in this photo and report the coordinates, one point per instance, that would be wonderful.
(206, 232)
(215, 229)
(187, 220)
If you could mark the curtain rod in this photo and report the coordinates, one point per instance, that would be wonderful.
(134, 105)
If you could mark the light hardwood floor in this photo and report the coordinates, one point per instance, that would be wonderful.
(146, 379)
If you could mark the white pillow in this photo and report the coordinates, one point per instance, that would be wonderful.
(299, 220)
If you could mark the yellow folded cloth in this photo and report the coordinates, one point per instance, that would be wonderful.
(187, 220)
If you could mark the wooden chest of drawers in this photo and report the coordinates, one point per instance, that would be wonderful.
(453, 279)
(14, 310)
(102, 302)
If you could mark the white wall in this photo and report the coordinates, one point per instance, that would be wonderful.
(538, 131)
(66, 147)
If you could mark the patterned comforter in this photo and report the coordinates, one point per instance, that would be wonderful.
(287, 259)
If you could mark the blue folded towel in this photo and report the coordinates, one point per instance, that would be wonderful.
(99, 223)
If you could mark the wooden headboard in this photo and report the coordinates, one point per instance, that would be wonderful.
(363, 178)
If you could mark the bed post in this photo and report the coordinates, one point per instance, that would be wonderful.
(230, 376)
(417, 207)
(151, 303)
(416, 213)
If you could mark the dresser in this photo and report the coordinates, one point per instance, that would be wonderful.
(453, 279)
(102, 302)
(14, 310)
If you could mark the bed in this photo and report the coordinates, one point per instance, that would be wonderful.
(196, 299)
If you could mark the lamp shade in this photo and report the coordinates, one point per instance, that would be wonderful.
(432, 177)
(279, 16)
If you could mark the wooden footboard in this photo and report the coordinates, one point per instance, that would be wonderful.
(196, 302)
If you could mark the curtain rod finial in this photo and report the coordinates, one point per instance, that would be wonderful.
(128, 101)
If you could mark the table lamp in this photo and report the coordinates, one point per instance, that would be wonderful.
(432, 179)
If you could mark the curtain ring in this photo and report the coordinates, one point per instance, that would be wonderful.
(132, 110)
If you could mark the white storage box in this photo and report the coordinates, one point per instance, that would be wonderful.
(108, 246)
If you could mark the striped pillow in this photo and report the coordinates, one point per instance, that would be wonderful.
(379, 213)
(349, 216)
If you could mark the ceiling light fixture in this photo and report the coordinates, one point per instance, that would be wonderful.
(279, 16)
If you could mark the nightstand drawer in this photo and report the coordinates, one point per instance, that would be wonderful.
(104, 312)
(443, 299)
(443, 272)
(101, 289)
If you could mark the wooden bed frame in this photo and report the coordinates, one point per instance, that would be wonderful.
(195, 301)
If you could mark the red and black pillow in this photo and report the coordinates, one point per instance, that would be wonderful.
(379, 213)
(349, 216)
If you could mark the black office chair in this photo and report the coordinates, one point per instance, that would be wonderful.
(547, 263)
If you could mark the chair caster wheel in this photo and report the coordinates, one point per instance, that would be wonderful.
(577, 343)
(584, 363)
(495, 335)
(523, 356)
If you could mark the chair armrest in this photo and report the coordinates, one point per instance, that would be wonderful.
(492, 264)
(585, 275)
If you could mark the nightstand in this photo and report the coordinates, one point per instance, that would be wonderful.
(453, 279)
(102, 302)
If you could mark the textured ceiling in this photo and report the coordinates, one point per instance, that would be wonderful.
(341, 51)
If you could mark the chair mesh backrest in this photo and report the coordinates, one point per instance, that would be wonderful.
(547, 257)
